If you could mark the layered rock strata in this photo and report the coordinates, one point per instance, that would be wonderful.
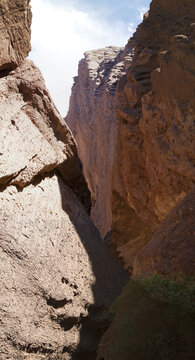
(57, 277)
(92, 119)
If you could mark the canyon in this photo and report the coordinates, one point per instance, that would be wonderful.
(117, 172)
(141, 154)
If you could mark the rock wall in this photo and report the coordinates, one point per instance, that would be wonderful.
(154, 158)
(92, 119)
(172, 248)
(149, 170)
(57, 277)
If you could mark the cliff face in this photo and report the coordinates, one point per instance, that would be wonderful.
(150, 177)
(154, 162)
(92, 119)
(56, 274)
(149, 170)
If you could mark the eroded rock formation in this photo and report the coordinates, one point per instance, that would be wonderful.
(35, 139)
(154, 163)
(92, 119)
(56, 274)
(151, 170)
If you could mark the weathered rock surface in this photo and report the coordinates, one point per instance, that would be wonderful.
(172, 249)
(155, 149)
(35, 139)
(92, 119)
(15, 21)
(55, 271)
(57, 277)
(153, 168)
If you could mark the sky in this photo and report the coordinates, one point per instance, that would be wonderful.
(62, 30)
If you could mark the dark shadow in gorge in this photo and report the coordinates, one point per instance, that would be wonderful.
(110, 280)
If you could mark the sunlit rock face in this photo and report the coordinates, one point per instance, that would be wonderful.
(15, 21)
(152, 194)
(35, 139)
(92, 119)
(138, 162)
(153, 168)
(57, 277)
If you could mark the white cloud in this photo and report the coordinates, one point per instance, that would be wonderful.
(131, 28)
(61, 33)
(141, 11)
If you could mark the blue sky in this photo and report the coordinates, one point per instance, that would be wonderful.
(62, 30)
(125, 10)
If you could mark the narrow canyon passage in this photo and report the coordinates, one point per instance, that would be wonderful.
(116, 173)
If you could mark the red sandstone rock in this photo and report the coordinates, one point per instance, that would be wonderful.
(155, 150)
(153, 167)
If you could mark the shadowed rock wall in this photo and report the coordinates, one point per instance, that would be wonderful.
(92, 119)
(172, 248)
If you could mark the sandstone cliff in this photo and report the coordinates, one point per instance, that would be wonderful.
(56, 274)
(150, 168)
(154, 162)
(92, 119)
